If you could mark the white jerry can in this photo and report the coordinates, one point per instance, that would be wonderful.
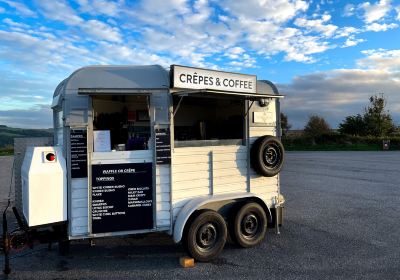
(44, 186)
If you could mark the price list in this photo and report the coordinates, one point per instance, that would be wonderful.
(78, 142)
(163, 146)
(122, 197)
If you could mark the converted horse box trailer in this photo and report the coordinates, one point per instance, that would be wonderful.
(137, 149)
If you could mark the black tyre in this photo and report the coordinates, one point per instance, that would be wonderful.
(267, 156)
(206, 236)
(250, 225)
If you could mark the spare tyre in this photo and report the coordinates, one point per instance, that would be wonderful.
(267, 155)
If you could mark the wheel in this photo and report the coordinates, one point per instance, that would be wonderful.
(250, 225)
(267, 155)
(206, 236)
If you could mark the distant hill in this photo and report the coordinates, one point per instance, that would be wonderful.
(7, 134)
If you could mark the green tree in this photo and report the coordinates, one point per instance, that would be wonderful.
(378, 121)
(285, 125)
(316, 126)
(353, 125)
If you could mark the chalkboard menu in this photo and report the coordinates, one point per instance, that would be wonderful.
(122, 197)
(78, 141)
(163, 146)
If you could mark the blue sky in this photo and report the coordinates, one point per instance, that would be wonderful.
(326, 56)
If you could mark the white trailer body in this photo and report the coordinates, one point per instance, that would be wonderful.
(148, 149)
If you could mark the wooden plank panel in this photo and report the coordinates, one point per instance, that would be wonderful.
(79, 230)
(163, 188)
(79, 202)
(79, 193)
(162, 179)
(79, 222)
(241, 164)
(189, 158)
(188, 167)
(162, 170)
(79, 212)
(229, 157)
(163, 215)
(162, 197)
(189, 176)
(230, 180)
(230, 188)
(190, 193)
(184, 185)
(162, 206)
(163, 223)
(232, 171)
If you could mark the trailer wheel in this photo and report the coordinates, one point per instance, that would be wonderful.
(206, 236)
(250, 225)
(267, 155)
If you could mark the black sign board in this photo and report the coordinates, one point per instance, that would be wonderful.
(163, 146)
(122, 197)
(78, 141)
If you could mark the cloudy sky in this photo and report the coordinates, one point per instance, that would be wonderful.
(326, 56)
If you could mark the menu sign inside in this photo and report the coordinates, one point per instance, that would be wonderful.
(197, 78)
(78, 141)
(122, 197)
(163, 146)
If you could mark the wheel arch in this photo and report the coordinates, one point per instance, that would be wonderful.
(192, 208)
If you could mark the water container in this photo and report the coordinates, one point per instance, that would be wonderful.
(44, 186)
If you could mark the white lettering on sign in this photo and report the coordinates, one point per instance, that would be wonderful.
(195, 78)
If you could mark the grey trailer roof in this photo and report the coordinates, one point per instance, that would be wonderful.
(115, 77)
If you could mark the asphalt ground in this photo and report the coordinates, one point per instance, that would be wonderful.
(341, 222)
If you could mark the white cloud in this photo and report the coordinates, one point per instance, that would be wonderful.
(12, 23)
(382, 59)
(202, 12)
(338, 93)
(264, 27)
(349, 10)
(374, 12)
(42, 54)
(235, 52)
(398, 12)
(100, 7)
(118, 54)
(377, 27)
(21, 8)
(276, 11)
(38, 116)
(102, 31)
(317, 25)
(346, 31)
(60, 11)
(351, 41)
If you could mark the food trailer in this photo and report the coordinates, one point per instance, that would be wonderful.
(138, 149)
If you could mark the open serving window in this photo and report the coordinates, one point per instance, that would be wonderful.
(208, 121)
(210, 107)
(120, 122)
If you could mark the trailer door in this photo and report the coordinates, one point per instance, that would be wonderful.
(121, 165)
